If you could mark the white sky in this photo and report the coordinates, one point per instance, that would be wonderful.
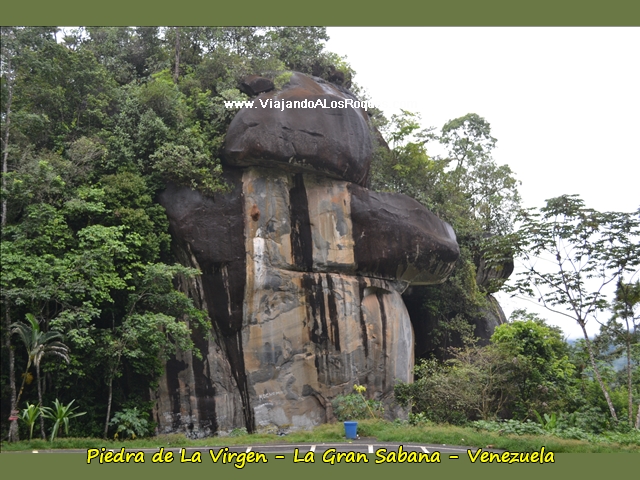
(564, 103)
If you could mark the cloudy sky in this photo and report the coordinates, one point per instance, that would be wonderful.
(564, 103)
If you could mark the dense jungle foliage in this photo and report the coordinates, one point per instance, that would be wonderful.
(96, 120)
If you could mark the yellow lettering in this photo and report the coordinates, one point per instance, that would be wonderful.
(216, 457)
(402, 455)
(309, 457)
(92, 453)
(474, 457)
(241, 461)
(161, 457)
(119, 457)
(195, 458)
(329, 456)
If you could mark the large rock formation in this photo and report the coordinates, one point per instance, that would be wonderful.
(302, 272)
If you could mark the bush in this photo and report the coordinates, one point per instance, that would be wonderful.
(468, 387)
(416, 419)
(238, 432)
(130, 423)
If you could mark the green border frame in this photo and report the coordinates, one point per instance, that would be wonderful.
(73, 466)
(440, 13)
(327, 12)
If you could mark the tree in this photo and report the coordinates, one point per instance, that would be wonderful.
(14, 41)
(93, 127)
(464, 187)
(298, 47)
(38, 344)
(625, 335)
(439, 392)
(571, 253)
(525, 369)
(538, 363)
(153, 329)
(490, 190)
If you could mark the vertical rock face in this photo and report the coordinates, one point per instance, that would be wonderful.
(302, 275)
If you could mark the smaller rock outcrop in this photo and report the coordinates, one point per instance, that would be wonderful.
(254, 85)
(491, 278)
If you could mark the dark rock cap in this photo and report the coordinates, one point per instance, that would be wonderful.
(303, 128)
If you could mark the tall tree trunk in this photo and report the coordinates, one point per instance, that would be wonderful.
(176, 72)
(13, 426)
(638, 418)
(597, 372)
(44, 436)
(5, 141)
(629, 382)
(106, 423)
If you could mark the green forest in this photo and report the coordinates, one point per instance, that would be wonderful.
(97, 120)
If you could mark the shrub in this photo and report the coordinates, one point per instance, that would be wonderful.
(61, 414)
(29, 416)
(130, 423)
(510, 427)
(355, 407)
(238, 432)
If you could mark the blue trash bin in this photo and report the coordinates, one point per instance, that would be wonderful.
(351, 430)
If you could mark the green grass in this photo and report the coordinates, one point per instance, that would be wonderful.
(376, 429)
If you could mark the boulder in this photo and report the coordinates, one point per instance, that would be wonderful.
(491, 278)
(253, 85)
(397, 237)
(490, 317)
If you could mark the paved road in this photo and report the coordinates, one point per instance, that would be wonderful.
(359, 446)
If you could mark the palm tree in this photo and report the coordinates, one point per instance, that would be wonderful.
(38, 344)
